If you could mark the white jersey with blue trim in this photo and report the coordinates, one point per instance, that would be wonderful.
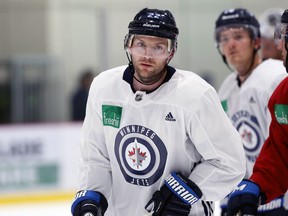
(132, 140)
(246, 105)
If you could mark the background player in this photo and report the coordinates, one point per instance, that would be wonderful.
(245, 92)
(154, 136)
(79, 97)
(269, 19)
(270, 174)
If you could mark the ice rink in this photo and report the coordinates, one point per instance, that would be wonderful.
(44, 209)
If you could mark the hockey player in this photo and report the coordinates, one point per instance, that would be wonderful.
(268, 20)
(270, 174)
(155, 138)
(244, 94)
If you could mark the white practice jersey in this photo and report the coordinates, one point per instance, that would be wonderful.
(247, 108)
(132, 140)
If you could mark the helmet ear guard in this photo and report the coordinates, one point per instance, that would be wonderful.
(128, 41)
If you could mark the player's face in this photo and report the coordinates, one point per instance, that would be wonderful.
(281, 47)
(280, 35)
(237, 46)
(149, 57)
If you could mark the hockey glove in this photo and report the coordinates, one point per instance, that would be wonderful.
(175, 197)
(223, 206)
(88, 202)
(245, 199)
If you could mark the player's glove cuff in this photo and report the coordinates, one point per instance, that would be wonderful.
(183, 187)
(246, 199)
(88, 201)
(246, 186)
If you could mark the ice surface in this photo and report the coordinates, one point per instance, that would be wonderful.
(45, 209)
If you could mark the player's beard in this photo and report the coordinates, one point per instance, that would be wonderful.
(149, 76)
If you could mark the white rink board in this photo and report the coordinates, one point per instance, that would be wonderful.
(38, 157)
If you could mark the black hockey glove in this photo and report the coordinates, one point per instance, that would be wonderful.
(175, 197)
(88, 201)
(245, 199)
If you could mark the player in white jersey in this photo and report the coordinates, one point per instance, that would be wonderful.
(244, 94)
(155, 139)
(270, 172)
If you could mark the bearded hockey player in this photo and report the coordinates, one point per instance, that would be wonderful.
(155, 139)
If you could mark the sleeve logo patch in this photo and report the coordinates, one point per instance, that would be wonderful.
(224, 104)
(281, 113)
(111, 115)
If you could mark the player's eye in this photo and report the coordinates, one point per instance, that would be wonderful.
(224, 40)
(238, 37)
(158, 48)
(140, 44)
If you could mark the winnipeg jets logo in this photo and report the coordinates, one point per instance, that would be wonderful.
(247, 136)
(248, 127)
(136, 155)
(141, 154)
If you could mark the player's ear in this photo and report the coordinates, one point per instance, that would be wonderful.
(257, 43)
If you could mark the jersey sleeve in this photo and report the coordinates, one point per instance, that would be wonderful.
(270, 171)
(218, 142)
(94, 170)
(266, 170)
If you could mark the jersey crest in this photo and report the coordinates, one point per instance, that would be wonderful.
(141, 154)
(249, 129)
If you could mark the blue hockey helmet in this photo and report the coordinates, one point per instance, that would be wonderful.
(284, 21)
(237, 17)
(153, 22)
(282, 33)
(284, 17)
